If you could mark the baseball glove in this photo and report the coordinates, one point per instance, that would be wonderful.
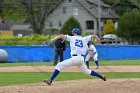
(52, 44)
(91, 55)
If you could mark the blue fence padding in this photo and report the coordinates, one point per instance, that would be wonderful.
(46, 53)
(118, 52)
(31, 53)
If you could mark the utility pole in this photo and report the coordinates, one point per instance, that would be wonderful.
(99, 18)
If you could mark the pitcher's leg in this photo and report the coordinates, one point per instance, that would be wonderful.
(91, 72)
(58, 68)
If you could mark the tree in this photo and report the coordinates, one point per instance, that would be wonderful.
(123, 6)
(110, 2)
(109, 27)
(1, 3)
(69, 25)
(129, 27)
(31, 11)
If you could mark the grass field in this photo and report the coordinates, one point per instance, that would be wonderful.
(101, 63)
(12, 78)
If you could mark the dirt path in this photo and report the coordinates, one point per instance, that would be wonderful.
(78, 86)
(71, 69)
(75, 86)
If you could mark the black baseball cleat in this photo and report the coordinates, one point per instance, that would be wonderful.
(48, 82)
(104, 78)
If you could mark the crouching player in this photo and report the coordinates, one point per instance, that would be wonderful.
(92, 53)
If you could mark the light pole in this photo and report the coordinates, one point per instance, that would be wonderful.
(99, 18)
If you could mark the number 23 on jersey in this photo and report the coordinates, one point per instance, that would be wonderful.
(78, 43)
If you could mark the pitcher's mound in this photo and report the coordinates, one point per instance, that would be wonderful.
(78, 86)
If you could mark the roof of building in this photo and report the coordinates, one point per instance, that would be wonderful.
(134, 2)
(92, 7)
(26, 27)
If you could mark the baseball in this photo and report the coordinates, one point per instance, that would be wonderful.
(3, 55)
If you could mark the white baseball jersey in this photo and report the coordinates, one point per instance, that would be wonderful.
(78, 47)
(78, 44)
(92, 49)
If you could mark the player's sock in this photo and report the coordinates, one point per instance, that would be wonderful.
(93, 73)
(55, 73)
(87, 63)
(96, 62)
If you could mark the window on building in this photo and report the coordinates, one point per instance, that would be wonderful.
(60, 23)
(70, 1)
(90, 24)
(105, 10)
(75, 11)
(64, 10)
(50, 24)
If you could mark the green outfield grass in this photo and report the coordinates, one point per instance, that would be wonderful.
(13, 78)
(101, 63)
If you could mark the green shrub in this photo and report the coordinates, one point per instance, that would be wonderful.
(69, 25)
(109, 27)
(26, 40)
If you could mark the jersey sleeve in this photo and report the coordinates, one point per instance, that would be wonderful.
(67, 37)
(88, 38)
(94, 49)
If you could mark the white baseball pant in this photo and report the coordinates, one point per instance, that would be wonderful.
(74, 61)
(95, 57)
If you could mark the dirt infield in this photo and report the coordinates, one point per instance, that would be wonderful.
(78, 86)
(75, 86)
(71, 69)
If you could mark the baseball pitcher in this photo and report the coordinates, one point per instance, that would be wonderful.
(78, 46)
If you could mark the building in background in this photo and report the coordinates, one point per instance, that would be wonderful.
(85, 11)
(21, 29)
